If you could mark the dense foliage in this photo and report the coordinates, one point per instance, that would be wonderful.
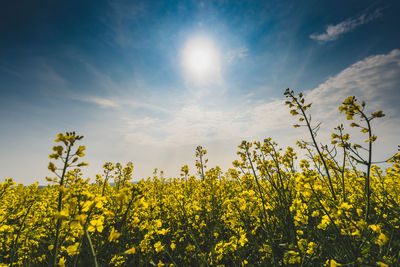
(334, 207)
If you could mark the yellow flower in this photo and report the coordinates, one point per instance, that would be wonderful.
(173, 246)
(75, 224)
(190, 248)
(315, 213)
(63, 214)
(382, 239)
(302, 243)
(359, 212)
(362, 224)
(73, 249)
(242, 240)
(135, 221)
(375, 228)
(162, 231)
(62, 261)
(113, 235)
(345, 206)
(381, 264)
(52, 167)
(96, 225)
(4, 228)
(300, 232)
(81, 218)
(158, 246)
(158, 223)
(332, 263)
(356, 232)
(311, 248)
(132, 250)
(293, 257)
(87, 205)
(80, 150)
(324, 222)
(99, 203)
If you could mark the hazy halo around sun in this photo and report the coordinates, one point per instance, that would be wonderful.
(200, 59)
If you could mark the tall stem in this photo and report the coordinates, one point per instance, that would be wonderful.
(367, 178)
(367, 188)
(316, 146)
(91, 248)
(15, 247)
(263, 205)
(343, 165)
(60, 195)
(202, 168)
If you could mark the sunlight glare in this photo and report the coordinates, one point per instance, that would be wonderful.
(201, 58)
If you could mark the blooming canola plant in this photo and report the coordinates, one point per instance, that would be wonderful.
(334, 207)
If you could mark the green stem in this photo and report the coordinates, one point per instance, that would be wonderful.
(91, 248)
(15, 249)
(367, 178)
(343, 165)
(105, 183)
(367, 187)
(202, 168)
(81, 239)
(316, 147)
(60, 195)
(264, 210)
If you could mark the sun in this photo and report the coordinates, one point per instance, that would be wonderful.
(200, 58)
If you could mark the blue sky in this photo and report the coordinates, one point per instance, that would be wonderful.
(115, 72)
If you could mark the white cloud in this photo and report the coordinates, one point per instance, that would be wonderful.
(200, 124)
(334, 31)
(375, 79)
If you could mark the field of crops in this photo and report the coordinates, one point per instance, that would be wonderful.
(334, 207)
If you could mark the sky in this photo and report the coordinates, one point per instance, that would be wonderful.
(148, 81)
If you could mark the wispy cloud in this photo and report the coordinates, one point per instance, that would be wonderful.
(127, 102)
(103, 102)
(139, 123)
(374, 79)
(334, 31)
(124, 14)
(11, 71)
(239, 53)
